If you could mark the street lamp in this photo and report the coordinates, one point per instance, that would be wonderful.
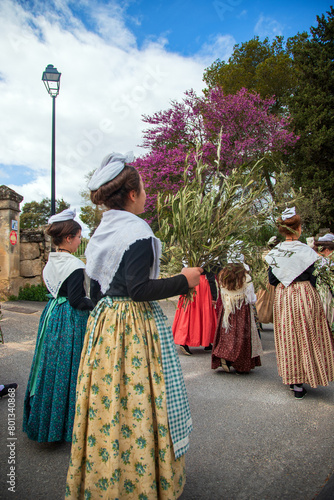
(51, 79)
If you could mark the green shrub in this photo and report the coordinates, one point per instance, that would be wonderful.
(12, 297)
(33, 292)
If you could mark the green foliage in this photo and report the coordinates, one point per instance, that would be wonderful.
(260, 236)
(311, 107)
(12, 298)
(299, 72)
(207, 219)
(82, 247)
(36, 214)
(264, 67)
(90, 214)
(324, 274)
(33, 292)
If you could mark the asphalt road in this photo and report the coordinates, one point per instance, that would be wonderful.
(251, 440)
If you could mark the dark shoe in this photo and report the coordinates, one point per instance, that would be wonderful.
(300, 394)
(291, 387)
(241, 373)
(4, 391)
(208, 348)
(185, 349)
(224, 365)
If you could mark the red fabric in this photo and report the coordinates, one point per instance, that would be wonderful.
(196, 325)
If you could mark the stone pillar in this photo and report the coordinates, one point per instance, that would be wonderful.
(9, 239)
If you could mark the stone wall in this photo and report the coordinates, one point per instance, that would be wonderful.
(34, 251)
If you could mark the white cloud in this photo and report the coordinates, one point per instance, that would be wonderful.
(219, 47)
(268, 27)
(107, 83)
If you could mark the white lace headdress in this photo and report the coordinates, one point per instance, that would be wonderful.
(327, 237)
(111, 166)
(288, 213)
(66, 214)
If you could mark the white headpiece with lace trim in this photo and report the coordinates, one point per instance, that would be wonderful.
(327, 237)
(111, 166)
(288, 213)
(66, 214)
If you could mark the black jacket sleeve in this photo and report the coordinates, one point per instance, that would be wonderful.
(132, 278)
(73, 289)
(95, 291)
(272, 278)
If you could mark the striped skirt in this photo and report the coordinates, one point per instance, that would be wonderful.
(122, 446)
(304, 345)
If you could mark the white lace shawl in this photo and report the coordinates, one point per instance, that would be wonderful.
(58, 268)
(117, 231)
(289, 259)
(234, 299)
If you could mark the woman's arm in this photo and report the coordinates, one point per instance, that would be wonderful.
(272, 278)
(73, 289)
(137, 262)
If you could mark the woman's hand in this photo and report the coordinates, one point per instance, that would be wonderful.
(192, 274)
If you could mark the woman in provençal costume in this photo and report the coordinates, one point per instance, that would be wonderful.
(237, 343)
(50, 397)
(324, 246)
(304, 345)
(132, 421)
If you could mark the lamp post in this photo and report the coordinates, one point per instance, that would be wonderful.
(51, 79)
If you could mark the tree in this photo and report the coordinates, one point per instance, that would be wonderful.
(90, 214)
(312, 110)
(241, 125)
(260, 66)
(36, 214)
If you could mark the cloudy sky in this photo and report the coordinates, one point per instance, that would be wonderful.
(118, 59)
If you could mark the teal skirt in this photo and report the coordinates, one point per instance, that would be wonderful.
(49, 403)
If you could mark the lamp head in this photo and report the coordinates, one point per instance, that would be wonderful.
(51, 79)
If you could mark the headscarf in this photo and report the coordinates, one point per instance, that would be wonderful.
(288, 213)
(111, 166)
(66, 214)
(327, 237)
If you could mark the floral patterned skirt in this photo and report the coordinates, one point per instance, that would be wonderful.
(121, 441)
(49, 414)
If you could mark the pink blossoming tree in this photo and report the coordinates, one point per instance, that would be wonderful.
(241, 124)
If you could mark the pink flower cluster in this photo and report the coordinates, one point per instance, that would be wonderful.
(243, 123)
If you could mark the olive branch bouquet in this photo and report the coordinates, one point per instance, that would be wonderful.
(324, 271)
(209, 215)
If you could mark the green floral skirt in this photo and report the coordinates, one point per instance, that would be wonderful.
(121, 444)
